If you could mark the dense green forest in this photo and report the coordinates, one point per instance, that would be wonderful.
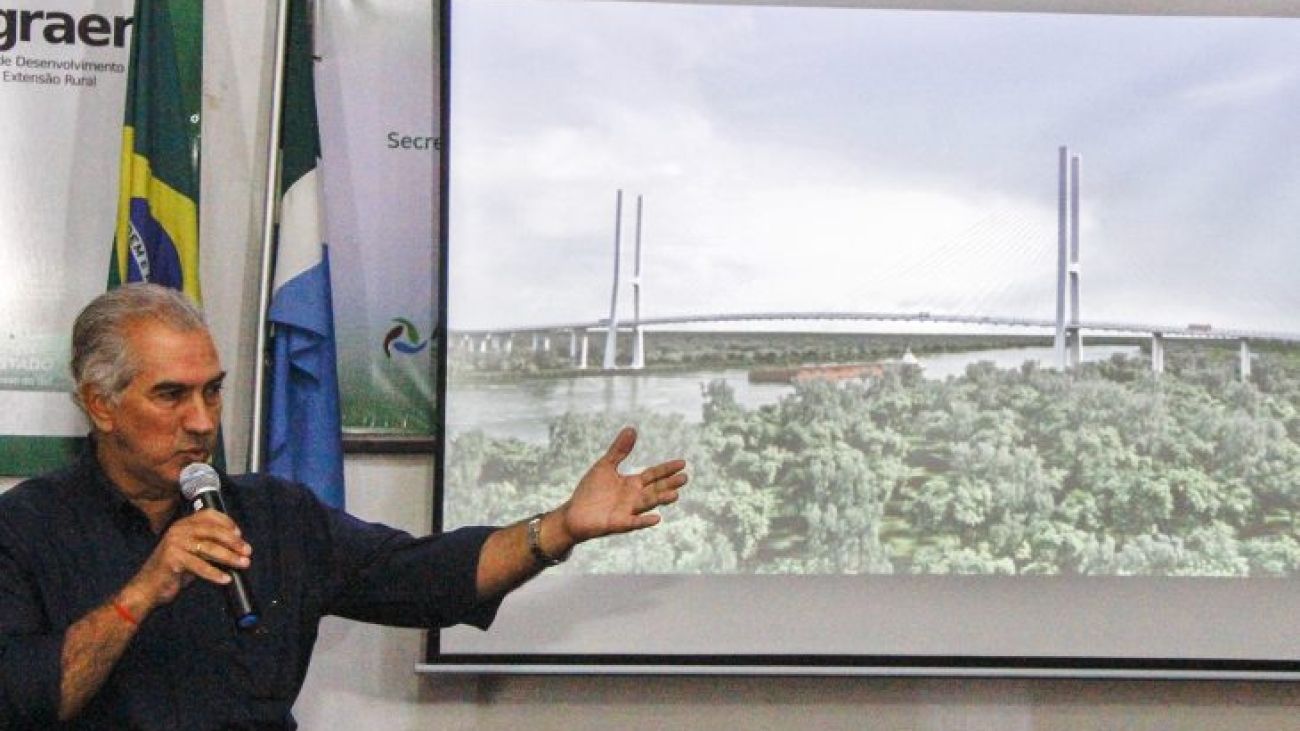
(1104, 470)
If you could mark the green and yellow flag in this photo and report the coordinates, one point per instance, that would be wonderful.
(157, 238)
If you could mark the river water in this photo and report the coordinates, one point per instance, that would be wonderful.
(524, 409)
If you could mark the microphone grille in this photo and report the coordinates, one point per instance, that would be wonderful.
(197, 478)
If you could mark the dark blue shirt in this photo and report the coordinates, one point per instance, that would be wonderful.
(69, 541)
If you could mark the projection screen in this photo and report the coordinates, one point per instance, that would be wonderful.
(976, 325)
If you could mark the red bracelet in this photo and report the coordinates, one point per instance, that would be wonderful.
(125, 615)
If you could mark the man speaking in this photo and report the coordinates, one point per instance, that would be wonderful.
(120, 600)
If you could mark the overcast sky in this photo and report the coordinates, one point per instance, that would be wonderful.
(866, 160)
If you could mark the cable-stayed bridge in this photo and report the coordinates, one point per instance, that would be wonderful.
(1067, 327)
(579, 331)
(1100, 327)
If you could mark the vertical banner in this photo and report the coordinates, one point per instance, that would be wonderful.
(377, 83)
(63, 72)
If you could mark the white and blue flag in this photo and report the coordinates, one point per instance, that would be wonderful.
(304, 427)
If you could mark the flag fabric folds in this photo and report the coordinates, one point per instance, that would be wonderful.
(303, 426)
(157, 237)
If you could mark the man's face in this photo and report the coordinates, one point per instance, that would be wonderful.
(168, 415)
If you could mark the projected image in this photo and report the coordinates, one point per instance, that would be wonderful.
(914, 292)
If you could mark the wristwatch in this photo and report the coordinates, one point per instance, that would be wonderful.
(535, 543)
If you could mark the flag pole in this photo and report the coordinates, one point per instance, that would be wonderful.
(270, 208)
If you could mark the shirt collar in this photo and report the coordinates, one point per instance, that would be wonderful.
(103, 491)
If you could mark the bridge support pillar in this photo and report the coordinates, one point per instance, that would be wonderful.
(610, 360)
(638, 348)
(1157, 353)
(1245, 360)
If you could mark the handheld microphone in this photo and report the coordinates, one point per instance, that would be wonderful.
(202, 487)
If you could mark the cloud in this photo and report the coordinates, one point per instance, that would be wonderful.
(777, 175)
(1240, 90)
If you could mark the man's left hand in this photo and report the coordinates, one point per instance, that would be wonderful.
(607, 502)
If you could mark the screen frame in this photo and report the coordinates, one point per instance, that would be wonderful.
(1071, 666)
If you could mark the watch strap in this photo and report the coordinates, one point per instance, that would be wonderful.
(535, 543)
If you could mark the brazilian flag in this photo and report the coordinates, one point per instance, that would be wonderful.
(157, 238)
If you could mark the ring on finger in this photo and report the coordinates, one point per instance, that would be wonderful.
(198, 549)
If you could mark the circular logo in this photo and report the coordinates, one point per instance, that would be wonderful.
(404, 337)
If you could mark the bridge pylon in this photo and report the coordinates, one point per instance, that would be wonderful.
(611, 334)
(610, 361)
(1069, 335)
(638, 335)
